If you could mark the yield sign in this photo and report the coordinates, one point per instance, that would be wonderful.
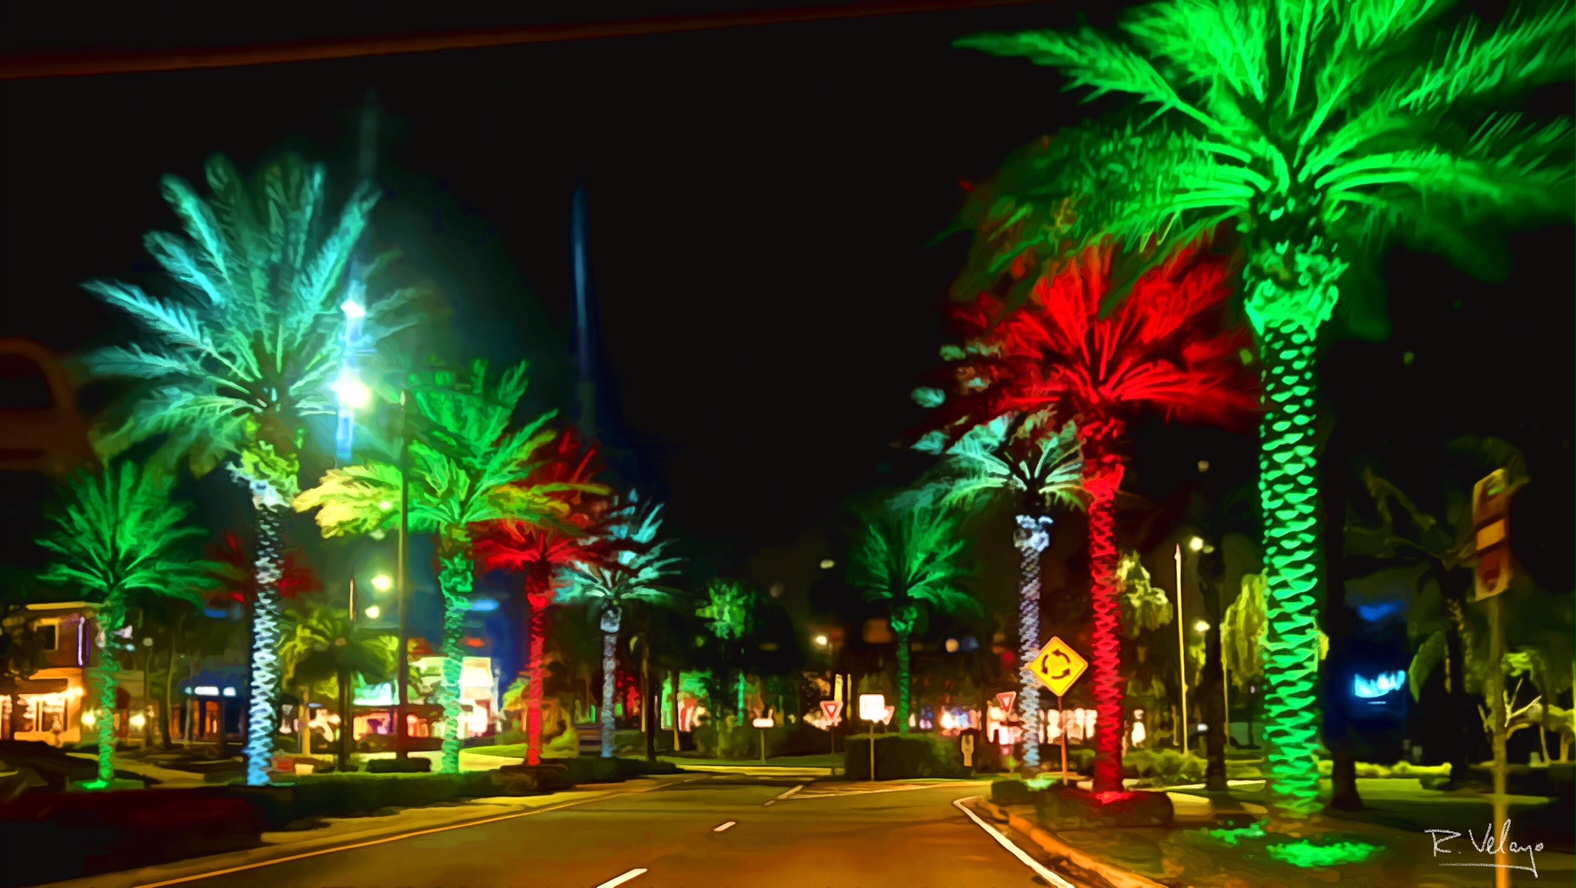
(889, 711)
(1005, 699)
(833, 710)
(1057, 666)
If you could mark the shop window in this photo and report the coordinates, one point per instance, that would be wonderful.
(47, 635)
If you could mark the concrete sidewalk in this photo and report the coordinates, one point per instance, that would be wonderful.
(341, 832)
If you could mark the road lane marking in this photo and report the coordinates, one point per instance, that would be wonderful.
(790, 792)
(1039, 868)
(841, 793)
(725, 826)
(386, 839)
(770, 802)
(632, 874)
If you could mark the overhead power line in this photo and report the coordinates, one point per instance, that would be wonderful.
(82, 64)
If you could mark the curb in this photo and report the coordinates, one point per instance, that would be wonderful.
(1078, 864)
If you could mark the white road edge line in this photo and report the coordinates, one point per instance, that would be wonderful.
(1017, 852)
(386, 839)
(632, 874)
(789, 793)
(725, 826)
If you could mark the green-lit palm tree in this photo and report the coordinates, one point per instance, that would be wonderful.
(729, 613)
(245, 355)
(466, 468)
(1020, 458)
(119, 533)
(911, 556)
(609, 587)
(323, 644)
(1315, 128)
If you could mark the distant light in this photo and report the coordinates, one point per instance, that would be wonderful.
(229, 692)
(352, 392)
(1201, 627)
(1196, 544)
(1408, 358)
(207, 691)
(484, 605)
(1202, 728)
(763, 723)
(89, 719)
(952, 645)
(138, 720)
(386, 506)
(147, 642)
(1203, 465)
(382, 582)
(373, 612)
(353, 309)
(827, 564)
(1379, 686)
(820, 640)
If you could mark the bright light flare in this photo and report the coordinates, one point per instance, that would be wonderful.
(373, 612)
(352, 392)
(1196, 544)
(353, 309)
(383, 582)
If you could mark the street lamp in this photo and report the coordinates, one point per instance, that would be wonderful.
(373, 612)
(383, 582)
(1194, 544)
(820, 641)
(827, 564)
(353, 393)
(1201, 626)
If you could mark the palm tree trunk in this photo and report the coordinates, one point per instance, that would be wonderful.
(677, 748)
(648, 713)
(306, 719)
(168, 714)
(1102, 479)
(1460, 738)
(609, 679)
(1288, 493)
(1211, 690)
(263, 698)
(454, 581)
(1032, 537)
(903, 689)
(347, 720)
(111, 618)
(537, 632)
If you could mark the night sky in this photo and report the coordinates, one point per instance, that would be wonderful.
(762, 204)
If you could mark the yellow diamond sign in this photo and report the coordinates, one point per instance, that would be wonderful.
(1057, 666)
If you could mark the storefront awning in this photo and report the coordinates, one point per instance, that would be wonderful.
(10, 685)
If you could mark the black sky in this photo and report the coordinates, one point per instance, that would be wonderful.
(761, 204)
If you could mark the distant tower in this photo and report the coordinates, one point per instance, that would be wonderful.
(355, 304)
(585, 385)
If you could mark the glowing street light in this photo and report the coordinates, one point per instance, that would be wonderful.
(820, 641)
(1201, 626)
(827, 564)
(352, 392)
(1196, 544)
(353, 309)
(373, 612)
(382, 582)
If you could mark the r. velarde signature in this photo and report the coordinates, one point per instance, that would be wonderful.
(1488, 846)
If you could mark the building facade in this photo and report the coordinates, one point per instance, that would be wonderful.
(53, 674)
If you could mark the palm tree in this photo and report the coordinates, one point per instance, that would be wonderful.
(1242, 640)
(729, 613)
(912, 557)
(322, 644)
(237, 365)
(1024, 460)
(119, 533)
(540, 552)
(1315, 129)
(467, 468)
(1162, 349)
(608, 588)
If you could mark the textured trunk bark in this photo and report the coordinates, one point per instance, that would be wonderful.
(1212, 708)
(454, 581)
(167, 719)
(904, 702)
(1031, 537)
(648, 712)
(1459, 738)
(534, 677)
(347, 721)
(1103, 478)
(609, 688)
(263, 700)
(677, 747)
(111, 618)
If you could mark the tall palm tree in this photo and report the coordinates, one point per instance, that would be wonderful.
(541, 552)
(608, 588)
(1162, 349)
(1024, 460)
(729, 613)
(913, 558)
(322, 644)
(467, 468)
(1316, 129)
(119, 533)
(244, 357)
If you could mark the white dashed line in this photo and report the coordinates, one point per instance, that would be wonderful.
(725, 826)
(790, 792)
(770, 802)
(1039, 869)
(634, 873)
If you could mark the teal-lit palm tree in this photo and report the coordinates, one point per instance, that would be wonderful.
(323, 645)
(244, 356)
(1316, 129)
(116, 534)
(1023, 459)
(729, 614)
(466, 468)
(609, 586)
(912, 558)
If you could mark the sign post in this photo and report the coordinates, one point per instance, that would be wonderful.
(763, 724)
(1491, 521)
(873, 708)
(1058, 667)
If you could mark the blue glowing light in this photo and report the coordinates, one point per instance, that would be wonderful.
(484, 604)
(1373, 613)
(1378, 687)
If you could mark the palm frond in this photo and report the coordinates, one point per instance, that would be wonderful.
(1519, 55)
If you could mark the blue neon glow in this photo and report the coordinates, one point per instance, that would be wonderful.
(1379, 686)
(1373, 613)
(484, 604)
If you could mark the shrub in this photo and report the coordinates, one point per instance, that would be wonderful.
(413, 765)
(1067, 807)
(1011, 791)
(586, 769)
(903, 757)
(1163, 767)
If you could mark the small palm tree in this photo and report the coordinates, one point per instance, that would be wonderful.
(1315, 129)
(729, 613)
(236, 366)
(467, 469)
(119, 533)
(609, 588)
(1024, 460)
(912, 558)
(322, 644)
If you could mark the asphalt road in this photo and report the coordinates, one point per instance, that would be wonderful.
(904, 839)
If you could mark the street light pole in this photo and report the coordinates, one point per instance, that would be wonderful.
(1181, 653)
(402, 577)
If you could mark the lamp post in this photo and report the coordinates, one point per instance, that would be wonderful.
(402, 584)
(1195, 544)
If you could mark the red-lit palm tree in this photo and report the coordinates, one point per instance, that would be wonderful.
(540, 552)
(1163, 349)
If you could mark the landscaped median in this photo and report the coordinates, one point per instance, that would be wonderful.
(106, 831)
